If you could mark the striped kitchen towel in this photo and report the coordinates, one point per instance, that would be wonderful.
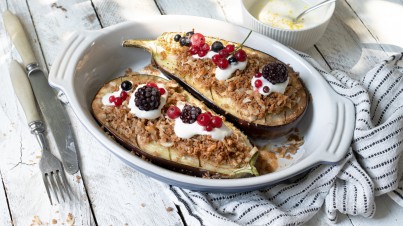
(371, 167)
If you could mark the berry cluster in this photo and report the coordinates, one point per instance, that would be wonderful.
(225, 56)
(259, 83)
(126, 86)
(148, 97)
(191, 114)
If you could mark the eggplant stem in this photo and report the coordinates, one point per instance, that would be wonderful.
(144, 44)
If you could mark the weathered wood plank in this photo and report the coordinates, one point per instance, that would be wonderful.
(5, 218)
(382, 19)
(117, 192)
(203, 8)
(19, 160)
(343, 44)
(117, 11)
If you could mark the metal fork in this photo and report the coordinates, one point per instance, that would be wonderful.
(52, 170)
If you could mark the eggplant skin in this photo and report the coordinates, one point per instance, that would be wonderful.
(270, 126)
(168, 157)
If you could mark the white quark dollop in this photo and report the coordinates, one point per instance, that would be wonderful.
(153, 114)
(105, 99)
(279, 87)
(186, 131)
(223, 74)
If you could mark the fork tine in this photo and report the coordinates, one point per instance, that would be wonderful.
(61, 185)
(45, 181)
(54, 187)
(65, 184)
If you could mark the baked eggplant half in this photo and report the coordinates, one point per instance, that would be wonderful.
(261, 95)
(159, 121)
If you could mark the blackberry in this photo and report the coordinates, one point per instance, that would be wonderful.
(275, 72)
(217, 46)
(147, 98)
(189, 114)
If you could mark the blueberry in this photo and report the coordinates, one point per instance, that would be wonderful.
(188, 42)
(232, 60)
(126, 85)
(182, 41)
(177, 37)
(217, 46)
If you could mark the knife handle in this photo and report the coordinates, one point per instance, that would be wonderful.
(18, 36)
(22, 88)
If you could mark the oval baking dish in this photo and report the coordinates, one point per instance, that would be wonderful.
(91, 58)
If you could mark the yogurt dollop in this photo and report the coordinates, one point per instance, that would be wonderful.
(105, 98)
(186, 131)
(223, 74)
(279, 87)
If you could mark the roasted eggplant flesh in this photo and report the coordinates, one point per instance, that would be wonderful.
(259, 116)
(156, 139)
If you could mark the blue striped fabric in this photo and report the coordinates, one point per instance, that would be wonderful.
(372, 166)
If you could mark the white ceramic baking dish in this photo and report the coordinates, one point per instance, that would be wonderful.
(92, 58)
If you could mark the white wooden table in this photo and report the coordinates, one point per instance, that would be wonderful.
(360, 34)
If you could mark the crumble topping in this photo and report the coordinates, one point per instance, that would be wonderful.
(233, 150)
(246, 102)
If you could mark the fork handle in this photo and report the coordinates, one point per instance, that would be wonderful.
(22, 88)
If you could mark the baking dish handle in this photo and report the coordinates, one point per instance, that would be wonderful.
(62, 70)
(342, 135)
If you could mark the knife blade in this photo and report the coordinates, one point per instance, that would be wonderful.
(54, 113)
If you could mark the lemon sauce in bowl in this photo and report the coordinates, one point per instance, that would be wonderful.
(280, 14)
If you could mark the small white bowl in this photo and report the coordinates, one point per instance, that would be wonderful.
(299, 39)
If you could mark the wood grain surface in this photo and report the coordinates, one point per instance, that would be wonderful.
(108, 192)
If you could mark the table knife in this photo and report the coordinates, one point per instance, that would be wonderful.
(54, 113)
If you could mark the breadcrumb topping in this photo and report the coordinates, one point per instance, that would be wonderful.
(234, 150)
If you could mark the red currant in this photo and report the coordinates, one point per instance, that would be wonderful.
(173, 112)
(203, 119)
(258, 83)
(118, 101)
(151, 84)
(123, 95)
(222, 63)
(216, 122)
(162, 91)
(194, 50)
(197, 39)
(202, 53)
(240, 55)
(205, 47)
(215, 58)
(111, 99)
(230, 48)
(258, 74)
(223, 53)
(209, 128)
